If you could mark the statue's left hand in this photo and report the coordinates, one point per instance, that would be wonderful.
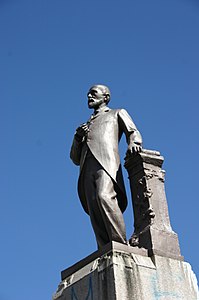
(134, 148)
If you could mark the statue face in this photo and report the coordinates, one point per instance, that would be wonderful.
(96, 98)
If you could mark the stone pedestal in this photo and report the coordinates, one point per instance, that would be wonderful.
(119, 272)
(152, 268)
(152, 228)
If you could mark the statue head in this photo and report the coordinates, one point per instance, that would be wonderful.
(98, 96)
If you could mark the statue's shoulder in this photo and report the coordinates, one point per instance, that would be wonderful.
(122, 114)
(119, 113)
(116, 110)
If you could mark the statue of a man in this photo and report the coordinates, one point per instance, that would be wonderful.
(95, 148)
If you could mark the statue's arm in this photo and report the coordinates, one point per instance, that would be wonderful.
(76, 148)
(133, 136)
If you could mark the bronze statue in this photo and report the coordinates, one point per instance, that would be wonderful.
(95, 149)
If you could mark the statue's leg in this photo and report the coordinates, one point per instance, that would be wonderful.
(105, 214)
(90, 168)
(109, 208)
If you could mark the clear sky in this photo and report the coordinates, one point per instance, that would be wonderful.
(51, 52)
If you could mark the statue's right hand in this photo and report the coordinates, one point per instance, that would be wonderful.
(81, 131)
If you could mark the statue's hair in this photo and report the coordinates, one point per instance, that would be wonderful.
(105, 90)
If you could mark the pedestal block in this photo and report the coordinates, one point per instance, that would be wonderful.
(119, 272)
(152, 228)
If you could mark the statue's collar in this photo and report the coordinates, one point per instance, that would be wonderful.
(100, 110)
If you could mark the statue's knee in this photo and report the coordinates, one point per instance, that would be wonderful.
(103, 198)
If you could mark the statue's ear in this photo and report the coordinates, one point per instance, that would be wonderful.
(107, 98)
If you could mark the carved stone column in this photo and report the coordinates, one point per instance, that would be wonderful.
(152, 228)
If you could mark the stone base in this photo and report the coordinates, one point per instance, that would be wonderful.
(119, 272)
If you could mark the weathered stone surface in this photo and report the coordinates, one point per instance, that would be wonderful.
(152, 228)
(121, 275)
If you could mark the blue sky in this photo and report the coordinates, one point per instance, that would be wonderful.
(51, 52)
